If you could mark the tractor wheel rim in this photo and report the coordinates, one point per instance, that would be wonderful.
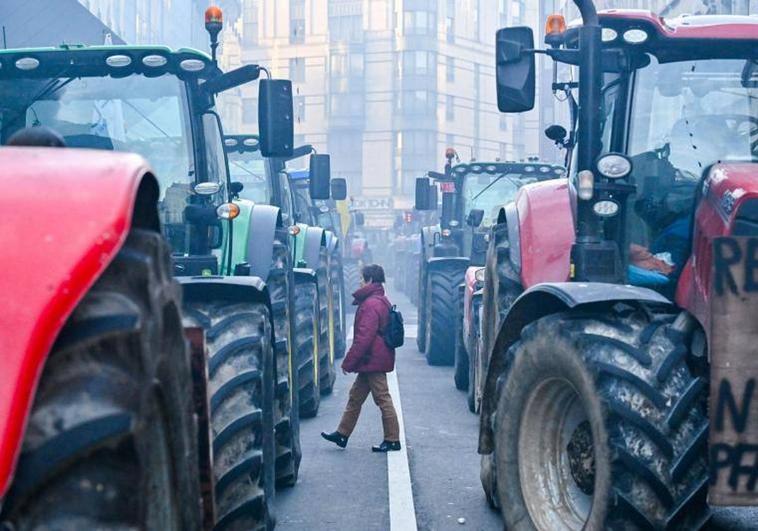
(555, 457)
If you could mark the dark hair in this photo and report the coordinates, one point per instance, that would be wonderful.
(373, 273)
(37, 136)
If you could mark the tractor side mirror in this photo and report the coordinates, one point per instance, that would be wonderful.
(423, 197)
(515, 65)
(339, 189)
(320, 176)
(360, 219)
(235, 187)
(475, 217)
(556, 133)
(275, 118)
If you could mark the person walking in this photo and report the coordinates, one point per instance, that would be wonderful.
(372, 359)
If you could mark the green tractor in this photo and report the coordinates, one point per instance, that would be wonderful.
(159, 103)
(307, 192)
(263, 181)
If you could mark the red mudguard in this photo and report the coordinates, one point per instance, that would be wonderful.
(64, 214)
(546, 227)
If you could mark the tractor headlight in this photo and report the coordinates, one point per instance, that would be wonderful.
(606, 208)
(614, 166)
(207, 188)
(228, 211)
(479, 275)
(635, 36)
(445, 233)
(454, 223)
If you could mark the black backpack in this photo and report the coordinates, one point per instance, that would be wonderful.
(394, 333)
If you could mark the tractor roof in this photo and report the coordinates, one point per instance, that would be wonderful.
(684, 27)
(98, 61)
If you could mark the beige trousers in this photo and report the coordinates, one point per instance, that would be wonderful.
(376, 384)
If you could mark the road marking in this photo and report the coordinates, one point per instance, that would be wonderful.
(402, 509)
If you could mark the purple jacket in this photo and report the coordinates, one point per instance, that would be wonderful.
(369, 352)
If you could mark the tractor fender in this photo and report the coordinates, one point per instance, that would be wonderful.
(315, 241)
(535, 303)
(332, 241)
(304, 273)
(458, 263)
(237, 289)
(66, 213)
(264, 222)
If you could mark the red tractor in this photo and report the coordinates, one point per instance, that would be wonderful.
(620, 385)
(98, 422)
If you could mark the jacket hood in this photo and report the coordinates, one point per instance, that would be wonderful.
(367, 291)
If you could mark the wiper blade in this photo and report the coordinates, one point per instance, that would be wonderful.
(51, 88)
(502, 175)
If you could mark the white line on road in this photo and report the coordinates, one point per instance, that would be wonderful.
(402, 510)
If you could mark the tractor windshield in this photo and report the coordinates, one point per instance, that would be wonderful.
(489, 192)
(249, 168)
(685, 117)
(137, 114)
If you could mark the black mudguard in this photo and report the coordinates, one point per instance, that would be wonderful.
(535, 303)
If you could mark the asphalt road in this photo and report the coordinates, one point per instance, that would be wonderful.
(349, 489)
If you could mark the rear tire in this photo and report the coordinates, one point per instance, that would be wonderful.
(601, 424)
(441, 304)
(326, 372)
(338, 307)
(241, 390)
(422, 309)
(460, 375)
(111, 441)
(351, 274)
(307, 347)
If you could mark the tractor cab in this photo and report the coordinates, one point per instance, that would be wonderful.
(674, 98)
(153, 101)
(472, 196)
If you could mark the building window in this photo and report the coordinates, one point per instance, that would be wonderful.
(348, 29)
(249, 111)
(503, 122)
(299, 106)
(450, 69)
(419, 63)
(346, 105)
(502, 11)
(475, 20)
(297, 69)
(338, 65)
(449, 108)
(503, 151)
(416, 102)
(250, 27)
(450, 21)
(297, 21)
(517, 11)
(420, 23)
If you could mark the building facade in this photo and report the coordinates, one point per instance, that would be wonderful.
(384, 86)
(174, 23)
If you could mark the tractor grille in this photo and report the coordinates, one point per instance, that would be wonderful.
(746, 222)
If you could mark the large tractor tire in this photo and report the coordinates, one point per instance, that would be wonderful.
(461, 364)
(241, 392)
(326, 371)
(476, 372)
(338, 308)
(601, 425)
(307, 347)
(281, 286)
(422, 311)
(111, 441)
(351, 272)
(441, 304)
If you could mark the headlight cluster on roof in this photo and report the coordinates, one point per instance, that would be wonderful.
(98, 61)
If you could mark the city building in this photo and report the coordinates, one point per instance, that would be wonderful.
(384, 85)
(174, 23)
